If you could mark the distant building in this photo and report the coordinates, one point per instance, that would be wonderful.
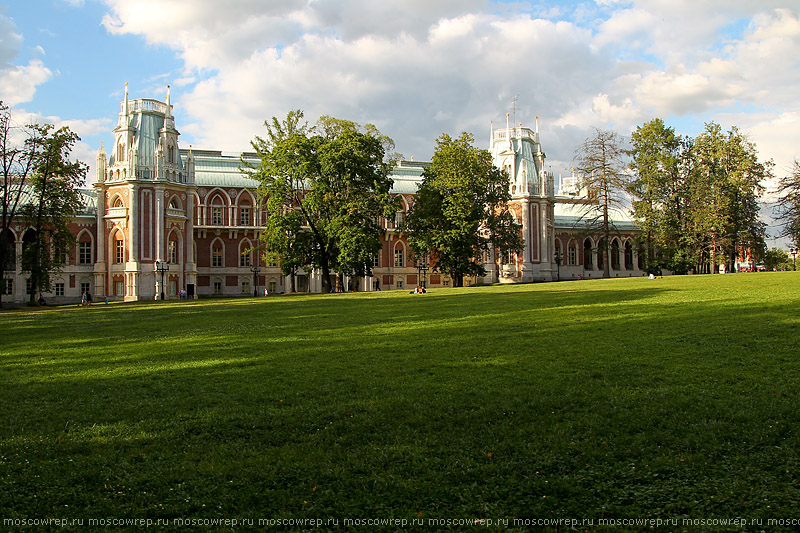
(154, 202)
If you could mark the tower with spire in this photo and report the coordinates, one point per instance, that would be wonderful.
(518, 151)
(145, 204)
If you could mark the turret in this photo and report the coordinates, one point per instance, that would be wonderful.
(100, 168)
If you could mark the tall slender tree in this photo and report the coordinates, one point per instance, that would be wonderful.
(658, 189)
(602, 165)
(56, 199)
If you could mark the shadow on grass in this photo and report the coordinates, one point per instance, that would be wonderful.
(608, 402)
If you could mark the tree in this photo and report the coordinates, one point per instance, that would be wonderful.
(658, 189)
(744, 176)
(329, 184)
(461, 210)
(777, 259)
(19, 160)
(55, 200)
(788, 207)
(284, 238)
(601, 163)
(724, 185)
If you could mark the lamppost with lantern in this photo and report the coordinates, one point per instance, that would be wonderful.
(255, 270)
(793, 251)
(422, 267)
(162, 266)
(557, 257)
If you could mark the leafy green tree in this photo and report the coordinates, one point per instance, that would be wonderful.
(777, 259)
(19, 160)
(658, 189)
(745, 174)
(56, 199)
(724, 185)
(284, 239)
(788, 207)
(461, 210)
(601, 163)
(325, 189)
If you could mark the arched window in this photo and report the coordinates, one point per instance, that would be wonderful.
(245, 254)
(217, 210)
(121, 151)
(117, 202)
(587, 254)
(85, 246)
(170, 154)
(217, 254)
(615, 254)
(244, 213)
(628, 255)
(558, 257)
(572, 254)
(601, 254)
(174, 248)
(399, 255)
(9, 252)
(119, 248)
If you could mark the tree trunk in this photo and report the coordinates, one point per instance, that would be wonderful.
(713, 254)
(326, 274)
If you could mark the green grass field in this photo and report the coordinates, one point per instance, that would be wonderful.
(620, 398)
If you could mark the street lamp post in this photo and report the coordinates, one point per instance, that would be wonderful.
(422, 268)
(557, 258)
(793, 251)
(162, 266)
(255, 270)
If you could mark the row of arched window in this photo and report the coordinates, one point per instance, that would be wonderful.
(590, 249)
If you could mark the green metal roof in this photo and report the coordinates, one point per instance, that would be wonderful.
(572, 215)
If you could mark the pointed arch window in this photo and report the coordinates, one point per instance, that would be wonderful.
(172, 252)
(587, 254)
(572, 254)
(119, 249)
(628, 256)
(216, 254)
(245, 254)
(399, 255)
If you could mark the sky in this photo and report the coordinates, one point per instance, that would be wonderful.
(414, 68)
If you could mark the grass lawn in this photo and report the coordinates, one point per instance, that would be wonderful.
(610, 398)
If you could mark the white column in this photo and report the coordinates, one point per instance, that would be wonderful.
(133, 227)
(100, 246)
(159, 215)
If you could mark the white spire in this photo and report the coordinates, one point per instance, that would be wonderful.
(126, 98)
(169, 108)
(508, 132)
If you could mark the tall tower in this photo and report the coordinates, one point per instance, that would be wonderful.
(145, 199)
(517, 151)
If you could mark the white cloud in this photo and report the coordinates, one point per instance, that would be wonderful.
(17, 82)
(416, 68)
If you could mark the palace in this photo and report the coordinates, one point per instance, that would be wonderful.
(162, 219)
